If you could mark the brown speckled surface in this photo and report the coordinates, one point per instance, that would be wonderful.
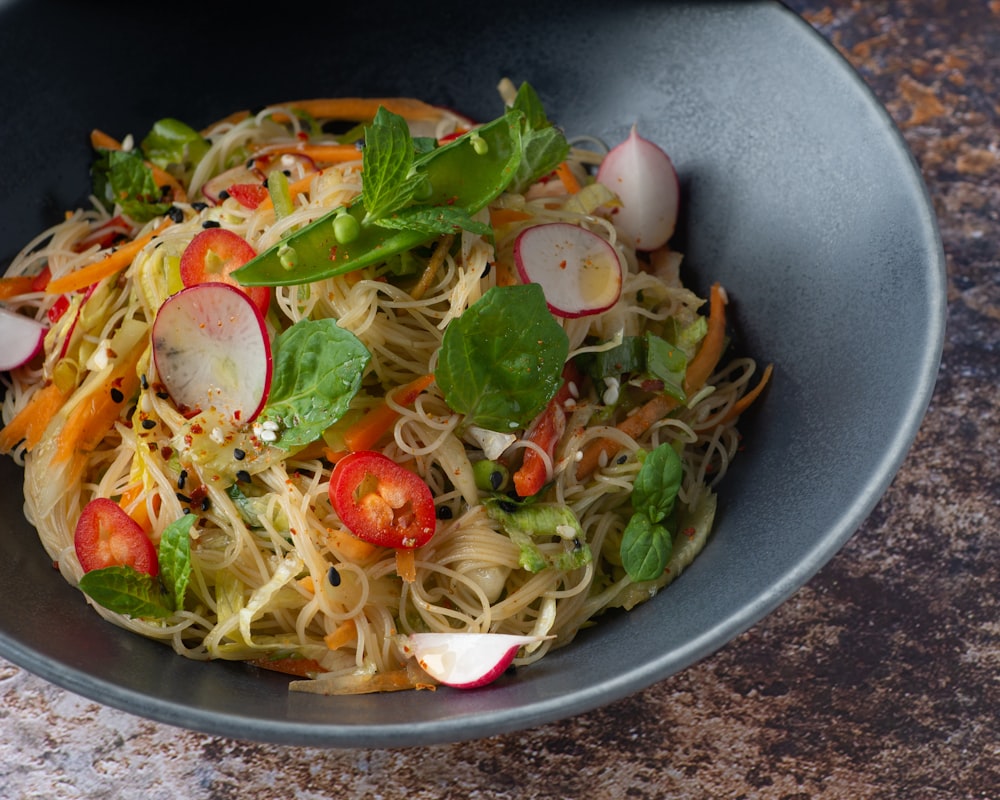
(879, 679)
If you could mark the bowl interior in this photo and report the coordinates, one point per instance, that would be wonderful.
(799, 197)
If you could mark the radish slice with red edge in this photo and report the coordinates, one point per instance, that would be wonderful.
(22, 338)
(643, 178)
(464, 660)
(579, 272)
(211, 350)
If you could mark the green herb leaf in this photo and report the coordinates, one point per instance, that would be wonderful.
(655, 488)
(121, 177)
(502, 360)
(318, 368)
(544, 145)
(174, 553)
(434, 220)
(127, 591)
(645, 548)
(387, 161)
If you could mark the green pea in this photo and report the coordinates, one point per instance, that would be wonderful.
(346, 228)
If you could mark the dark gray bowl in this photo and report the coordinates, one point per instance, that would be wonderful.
(800, 196)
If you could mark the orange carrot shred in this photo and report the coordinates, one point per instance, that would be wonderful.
(16, 285)
(366, 432)
(744, 402)
(321, 153)
(113, 262)
(569, 180)
(30, 422)
(345, 632)
(406, 564)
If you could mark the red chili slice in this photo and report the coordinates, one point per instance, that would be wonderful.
(248, 195)
(107, 537)
(381, 502)
(212, 255)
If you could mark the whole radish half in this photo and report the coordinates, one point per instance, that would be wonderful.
(643, 177)
(579, 272)
(22, 338)
(211, 350)
(464, 660)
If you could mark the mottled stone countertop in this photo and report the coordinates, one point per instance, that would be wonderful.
(879, 679)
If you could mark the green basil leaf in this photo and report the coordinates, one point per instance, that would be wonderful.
(645, 548)
(501, 361)
(318, 368)
(127, 591)
(668, 363)
(174, 553)
(655, 488)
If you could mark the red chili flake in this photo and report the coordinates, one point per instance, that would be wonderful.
(166, 452)
(562, 264)
(333, 253)
(197, 428)
(689, 532)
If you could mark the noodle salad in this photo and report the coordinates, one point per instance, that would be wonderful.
(365, 392)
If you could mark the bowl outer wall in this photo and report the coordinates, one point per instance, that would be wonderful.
(799, 196)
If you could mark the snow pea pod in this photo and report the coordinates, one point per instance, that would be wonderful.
(466, 173)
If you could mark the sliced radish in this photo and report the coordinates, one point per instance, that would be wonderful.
(464, 660)
(579, 272)
(22, 338)
(645, 181)
(211, 350)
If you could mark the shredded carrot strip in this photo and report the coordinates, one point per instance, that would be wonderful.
(406, 564)
(507, 216)
(744, 402)
(308, 584)
(363, 109)
(99, 140)
(300, 667)
(321, 153)
(655, 409)
(346, 632)
(141, 512)
(569, 180)
(90, 420)
(16, 285)
(353, 548)
(114, 261)
(364, 433)
(708, 355)
(30, 422)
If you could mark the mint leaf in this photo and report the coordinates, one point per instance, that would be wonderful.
(174, 554)
(437, 220)
(544, 146)
(645, 548)
(121, 177)
(386, 163)
(127, 591)
(502, 360)
(655, 488)
(318, 368)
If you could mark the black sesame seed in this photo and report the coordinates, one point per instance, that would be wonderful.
(507, 507)
(199, 206)
(182, 497)
(444, 512)
(496, 479)
(163, 395)
(182, 479)
(144, 381)
(243, 476)
(577, 544)
(239, 454)
(333, 576)
(223, 194)
(116, 395)
(175, 214)
(486, 269)
(206, 504)
(211, 223)
(149, 424)
(623, 458)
